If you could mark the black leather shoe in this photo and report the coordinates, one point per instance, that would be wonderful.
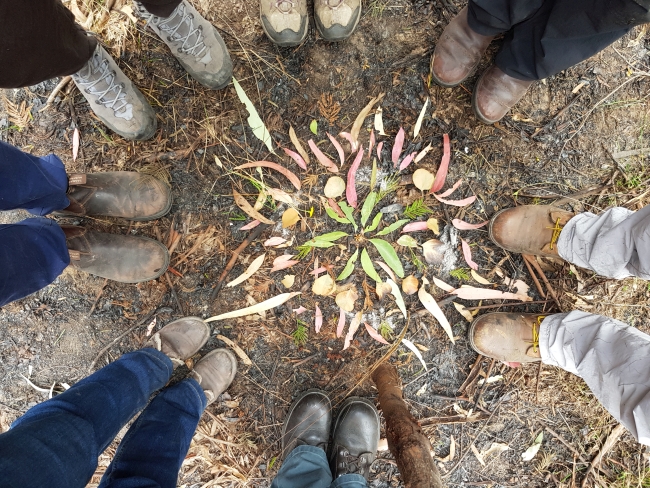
(355, 438)
(308, 422)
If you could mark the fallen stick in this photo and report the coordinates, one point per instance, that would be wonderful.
(607, 446)
(57, 89)
(535, 264)
(406, 441)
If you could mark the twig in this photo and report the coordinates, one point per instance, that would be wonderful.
(472, 374)
(453, 419)
(581, 194)
(254, 234)
(173, 292)
(485, 383)
(607, 446)
(99, 294)
(178, 154)
(482, 307)
(57, 89)
(535, 264)
(540, 290)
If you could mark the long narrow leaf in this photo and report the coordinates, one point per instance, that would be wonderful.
(338, 148)
(295, 181)
(390, 256)
(354, 326)
(397, 147)
(332, 214)
(392, 227)
(300, 161)
(375, 223)
(374, 334)
(254, 120)
(398, 296)
(349, 267)
(434, 309)
(351, 187)
(356, 127)
(367, 266)
(276, 301)
(330, 236)
(322, 159)
(252, 269)
(299, 147)
(441, 175)
(341, 325)
(467, 254)
(347, 210)
(462, 225)
(368, 205)
(415, 351)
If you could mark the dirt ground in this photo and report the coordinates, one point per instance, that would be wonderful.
(565, 137)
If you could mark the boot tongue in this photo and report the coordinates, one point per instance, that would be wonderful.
(181, 29)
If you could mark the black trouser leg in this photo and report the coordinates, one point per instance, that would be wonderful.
(492, 17)
(161, 8)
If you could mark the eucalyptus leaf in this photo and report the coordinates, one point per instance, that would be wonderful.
(392, 227)
(330, 237)
(314, 127)
(321, 244)
(407, 241)
(367, 266)
(390, 256)
(373, 174)
(254, 120)
(335, 216)
(375, 223)
(349, 267)
(347, 210)
(368, 205)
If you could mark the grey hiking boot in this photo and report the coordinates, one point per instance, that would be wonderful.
(194, 42)
(114, 99)
(284, 21)
(336, 19)
(181, 339)
(214, 372)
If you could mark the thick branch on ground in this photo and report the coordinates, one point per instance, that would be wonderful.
(406, 441)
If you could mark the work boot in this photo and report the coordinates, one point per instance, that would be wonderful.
(214, 372)
(308, 422)
(181, 339)
(126, 194)
(355, 439)
(458, 52)
(284, 21)
(496, 93)
(529, 229)
(508, 337)
(127, 259)
(114, 99)
(336, 19)
(195, 42)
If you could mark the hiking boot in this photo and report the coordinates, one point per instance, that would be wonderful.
(496, 93)
(508, 337)
(181, 339)
(214, 372)
(125, 194)
(355, 439)
(308, 422)
(114, 99)
(194, 42)
(529, 229)
(458, 52)
(284, 21)
(127, 259)
(336, 19)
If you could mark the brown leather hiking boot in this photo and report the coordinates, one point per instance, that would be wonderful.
(181, 339)
(285, 22)
(529, 229)
(496, 93)
(336, 19)
(127, 259)
(126, 194)
(355, 438)
(308, 422)
(508, 337)
(215, 372)
(458, 52)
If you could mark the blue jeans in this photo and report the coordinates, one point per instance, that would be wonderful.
(32, 252)
(56, 443)
(307, 467)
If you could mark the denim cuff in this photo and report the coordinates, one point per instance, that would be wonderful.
(200, 394)
(350, 481)
(159, 356)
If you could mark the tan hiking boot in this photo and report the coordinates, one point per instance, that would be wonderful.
(215, 372)
(114, 99)
(336, 19)
(181, 339)
(508, 337)
(195, 42)
(496, 93)
(458, 52)
(529, 229)
(125, 194)
(127, 259)
(284, 21)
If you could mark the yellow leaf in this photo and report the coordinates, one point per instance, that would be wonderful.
(290, 217)
(288, 281)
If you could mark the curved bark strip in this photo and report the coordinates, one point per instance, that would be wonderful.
(406, 441)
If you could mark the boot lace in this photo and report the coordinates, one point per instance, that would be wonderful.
(349, 464)
(536, 326)
(100, 81)
(557, 229)
(284, 6)
(334, 4)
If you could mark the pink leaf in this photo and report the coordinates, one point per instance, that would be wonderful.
(457, 203)
(462, 225)
(407, 160)
(274, 241)
(354, 326)
(338, 147)
(251, 225)
(380, 146)
(372, 142)
(341, 324)
(467, 254)
(452, 189)
(512, 365)
(415, 226)
(442, 285)
(348, 137)
(322, 159)
(397, 147)
(374, 334)
(300, 310)
(75, 144)
(295, 181)
(335, 206)
(296, 157)
(318, 321)
(473, 293)
(385, 267)
(283, 262)
(318, 271)
(441, 175)
(423, 153)
(351, 187)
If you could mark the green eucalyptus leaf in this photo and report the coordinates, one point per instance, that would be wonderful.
(330, 237)
(335, 216)
(368, 267)
(349, 267)
(390, 256)
(392, 227)
(321, 244)
(375, 223)
(407, 241)
(373, 174)
(368, 205)
(313, 127)
(347, 210)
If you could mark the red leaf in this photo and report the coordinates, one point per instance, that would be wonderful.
(452, 189)
(462, 225)
(441, 175)
(397, 147)
(251, 225)
(415, 226)
(281, 169)
(407, 160)
(380, 146)
(467, 254)
(322, 159)
(348, 137)
(335, 206)
(372, 142)
(341, 324)
(296, 157)
(374, 334)
(351, 187)
(457, 203)
(318, 321)
(338, 147)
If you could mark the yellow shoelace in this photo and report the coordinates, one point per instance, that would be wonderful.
(556, 233)
(536, 325)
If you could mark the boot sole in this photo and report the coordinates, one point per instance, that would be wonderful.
(295, 403)
(321, 29)
(286, 43)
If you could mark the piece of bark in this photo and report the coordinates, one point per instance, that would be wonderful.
(406, 441)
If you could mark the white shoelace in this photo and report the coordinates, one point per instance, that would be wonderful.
(282, 5)
(173, 24)
(98, 72)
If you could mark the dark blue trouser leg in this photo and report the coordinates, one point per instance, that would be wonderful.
(56, 444)
(152, 451)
